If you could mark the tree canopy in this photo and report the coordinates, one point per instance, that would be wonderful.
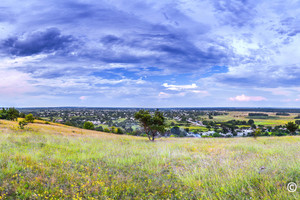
(9, 114)
(292, 127)
(152, 124)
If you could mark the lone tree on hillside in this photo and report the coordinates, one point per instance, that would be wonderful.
(88, 125)
(292, 127)
(152, 124)
(29, 118)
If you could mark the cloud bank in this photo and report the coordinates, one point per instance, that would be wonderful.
(149, 53)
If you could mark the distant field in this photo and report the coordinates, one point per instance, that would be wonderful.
(61, 162)
(274, 121)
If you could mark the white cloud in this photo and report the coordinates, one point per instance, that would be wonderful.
(165, 95)
(247, 98)
(179, 87)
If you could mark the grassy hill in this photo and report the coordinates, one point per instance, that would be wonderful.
(52, 161)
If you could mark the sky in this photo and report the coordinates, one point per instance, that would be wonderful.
(149, 53)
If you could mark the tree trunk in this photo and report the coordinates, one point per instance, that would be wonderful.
(153, 135)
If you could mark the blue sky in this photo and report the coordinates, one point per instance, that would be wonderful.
(150, 53)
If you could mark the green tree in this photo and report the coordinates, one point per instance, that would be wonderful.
(12, 114)
(88, 125)
(3, 113)
(297, 122)
(152, 124)
(292, 127)
(250, 121)
(29, 118)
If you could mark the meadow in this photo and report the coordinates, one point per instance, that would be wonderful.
(52, 161)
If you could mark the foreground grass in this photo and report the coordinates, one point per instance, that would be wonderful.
(53, 162)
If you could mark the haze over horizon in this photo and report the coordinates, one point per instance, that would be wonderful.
(185, 53)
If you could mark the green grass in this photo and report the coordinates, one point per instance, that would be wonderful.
(60, 162)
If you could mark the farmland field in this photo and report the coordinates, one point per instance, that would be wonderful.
(60, 162)
(272, 120)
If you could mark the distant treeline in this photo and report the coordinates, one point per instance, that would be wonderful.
(279, 110)
(283, 114)
(258, 114)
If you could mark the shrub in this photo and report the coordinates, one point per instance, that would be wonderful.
(120, 131)
(22, 124)
(216, 135)
(88, 125)
(100, 128)
(106, 130)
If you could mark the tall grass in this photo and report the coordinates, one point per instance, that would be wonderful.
(58, 162)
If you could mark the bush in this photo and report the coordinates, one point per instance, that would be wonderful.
(216, 135)
(106, 130)
(22, 124)
(88, 125)
(120, 131)
(278, 132)
(100, 128)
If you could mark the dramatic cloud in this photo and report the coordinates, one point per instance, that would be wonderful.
(150, 53)
(47, 41)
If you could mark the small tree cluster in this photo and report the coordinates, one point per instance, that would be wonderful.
(9, 114)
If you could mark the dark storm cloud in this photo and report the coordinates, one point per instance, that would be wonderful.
(47, 41)
(166, 50)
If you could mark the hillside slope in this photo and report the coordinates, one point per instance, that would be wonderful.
(57, 161)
